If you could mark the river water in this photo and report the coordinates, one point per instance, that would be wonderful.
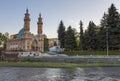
(60, 74)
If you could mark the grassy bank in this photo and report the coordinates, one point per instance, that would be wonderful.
(97, 53)
(52, 65)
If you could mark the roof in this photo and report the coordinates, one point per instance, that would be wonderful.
(19, 36)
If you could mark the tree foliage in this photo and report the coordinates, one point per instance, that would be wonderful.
(70, 42)
(61, 34)
(107, 34)
(3, 39)
(55, 44)
(95, 38)
(113, 24)
(81, 35)
(102, 33)
(46, 45)
(90, 37)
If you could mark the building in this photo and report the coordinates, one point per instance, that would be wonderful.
(52, 42)
(24, 40)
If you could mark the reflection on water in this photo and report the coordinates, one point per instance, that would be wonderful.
(60, 74)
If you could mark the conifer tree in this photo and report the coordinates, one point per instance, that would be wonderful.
(81, 35)
(92, 39)
(102, 33)
(113, 24)
(70, 39)
(85, 40)
(61, 34)
(46, 45)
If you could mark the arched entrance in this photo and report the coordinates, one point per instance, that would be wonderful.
(35, 45)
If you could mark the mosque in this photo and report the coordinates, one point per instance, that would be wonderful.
(25, 40)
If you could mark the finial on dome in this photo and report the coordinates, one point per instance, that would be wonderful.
(39, 14)
(27, 10)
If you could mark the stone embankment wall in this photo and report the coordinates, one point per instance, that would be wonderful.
(76, 59)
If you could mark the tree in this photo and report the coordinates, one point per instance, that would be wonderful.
(3, 39)
(76, 34)
(113, 24)
(85, 40)
(55, 44)
(70, 39)
(81, 35)
(0, 38)
(6, 34)
(102, 34)
(91, 36)
(61, 34)
(46, 45)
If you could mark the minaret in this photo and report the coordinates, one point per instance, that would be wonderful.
(39, 23)
(27, 22)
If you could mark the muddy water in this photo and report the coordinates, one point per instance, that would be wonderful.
(60, 74)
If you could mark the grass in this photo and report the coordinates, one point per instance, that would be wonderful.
(97, 53)
(52, 64)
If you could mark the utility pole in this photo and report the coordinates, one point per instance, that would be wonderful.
(107, 41)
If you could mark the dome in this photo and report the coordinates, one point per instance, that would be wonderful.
(19, 36)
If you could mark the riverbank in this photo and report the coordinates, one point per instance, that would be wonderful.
(87, 53)
(73, 59)
(53, 65)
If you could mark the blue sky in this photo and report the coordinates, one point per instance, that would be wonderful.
(70, 11)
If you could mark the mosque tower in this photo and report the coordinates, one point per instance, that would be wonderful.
(39, 23)
(27, 33)
(27, 22)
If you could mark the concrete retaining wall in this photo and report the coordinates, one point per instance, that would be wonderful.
(76, 59)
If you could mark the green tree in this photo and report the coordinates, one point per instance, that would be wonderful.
(81, 35)
(0, 38)
(55, 44)
(6, 34)
(61, 34)
(3, 39)
(46, 45)
(102, 34)
(85, 40)
(113, 24)
(91, 35)
(76, 34)
(70, 39)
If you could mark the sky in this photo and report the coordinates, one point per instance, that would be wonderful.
(52, 11)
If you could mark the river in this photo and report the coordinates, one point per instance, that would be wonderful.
(60, 74)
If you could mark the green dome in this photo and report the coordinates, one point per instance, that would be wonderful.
(19, 36)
